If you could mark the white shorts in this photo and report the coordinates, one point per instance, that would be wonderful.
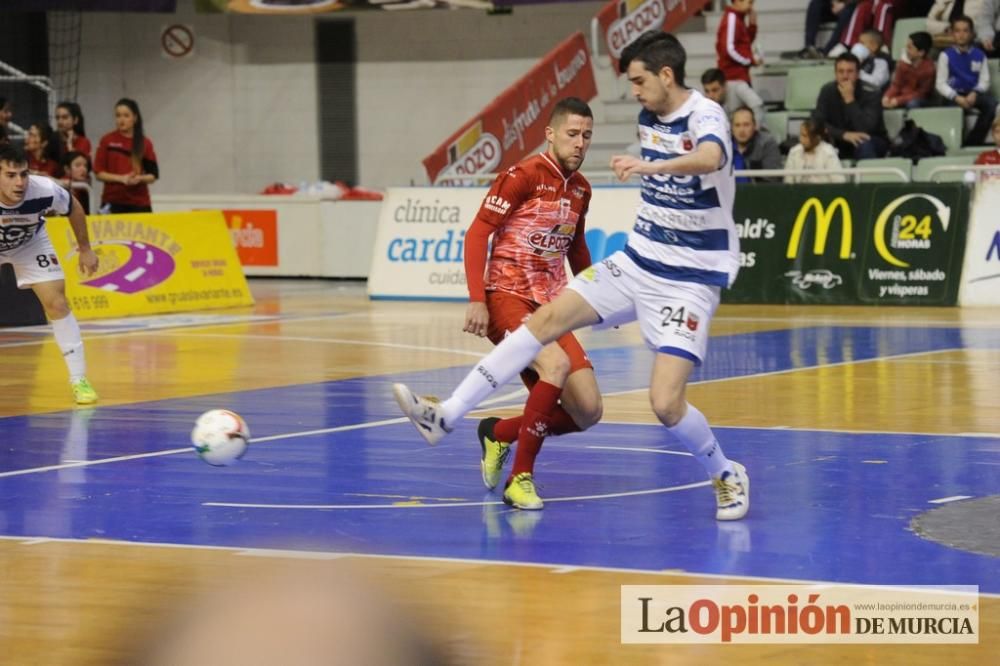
(674, 316)
(35, 261)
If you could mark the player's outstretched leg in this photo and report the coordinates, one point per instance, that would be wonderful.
(424, 413)
(494, 452)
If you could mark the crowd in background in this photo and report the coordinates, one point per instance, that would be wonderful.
(125, 161)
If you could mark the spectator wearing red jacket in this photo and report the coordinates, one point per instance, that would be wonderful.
(734, 41)
(992, 156)
(913, 82)
(126, 163)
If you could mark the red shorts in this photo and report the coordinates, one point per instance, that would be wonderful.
(508, 312)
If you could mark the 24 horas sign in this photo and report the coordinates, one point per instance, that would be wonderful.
(876, 244)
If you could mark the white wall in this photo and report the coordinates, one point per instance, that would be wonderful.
(237, 114)
(240, 113)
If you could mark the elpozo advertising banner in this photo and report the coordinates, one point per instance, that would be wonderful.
(513, 125)
(152, 263)
(981, 274)
(324, 6)
(874, 244)
(622, 21)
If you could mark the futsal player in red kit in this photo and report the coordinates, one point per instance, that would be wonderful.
(535, 212)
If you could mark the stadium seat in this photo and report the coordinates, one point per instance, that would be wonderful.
(945, 121)
(777, 124)
(802, 87)
(893, 121)
(902, 31)
(901, 163)
(922, 170)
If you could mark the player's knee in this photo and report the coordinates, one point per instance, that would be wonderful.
(589, 411)
(545, 324)
(552, 366)
(56, 306)
(669, 406)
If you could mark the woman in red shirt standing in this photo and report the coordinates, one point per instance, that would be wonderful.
(126, 163)
(69, 123)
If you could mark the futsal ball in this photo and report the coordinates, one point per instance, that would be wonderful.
(220, 437)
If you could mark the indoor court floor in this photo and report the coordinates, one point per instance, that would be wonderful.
(872, 437)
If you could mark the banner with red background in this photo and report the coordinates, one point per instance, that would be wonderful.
(622, 21)
(513, 124)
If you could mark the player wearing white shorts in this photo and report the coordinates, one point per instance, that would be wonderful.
(683, 250)
(24, 202)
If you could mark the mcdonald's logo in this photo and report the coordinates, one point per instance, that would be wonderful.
(824, 218)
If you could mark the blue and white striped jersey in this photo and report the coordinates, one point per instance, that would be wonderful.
(684, 226)
(20, 223)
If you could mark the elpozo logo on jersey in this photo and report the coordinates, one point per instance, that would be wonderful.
(911, 229)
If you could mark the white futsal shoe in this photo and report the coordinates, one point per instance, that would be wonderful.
(424, 413)
(732, 494)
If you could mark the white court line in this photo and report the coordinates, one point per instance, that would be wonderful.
(450, 505)
(846, 431)
(641, 450)
(173, 327)
(551, 566)
(945, 500)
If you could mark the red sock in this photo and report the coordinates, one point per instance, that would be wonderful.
(560, 423)
(538, 410)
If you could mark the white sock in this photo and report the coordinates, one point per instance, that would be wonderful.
(511, 356)
(694, 432)
(67, 333)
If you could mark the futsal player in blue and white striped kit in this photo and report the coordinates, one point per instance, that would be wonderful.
(683, 250)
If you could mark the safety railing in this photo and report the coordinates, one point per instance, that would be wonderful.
(977, 171)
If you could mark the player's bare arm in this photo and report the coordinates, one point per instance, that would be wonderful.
(78, 221)
(706, 158)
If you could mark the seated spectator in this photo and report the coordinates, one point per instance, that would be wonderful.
(42, 150)
(963, 78)
(876, 66)
(877, 15)
(758, 150)
(940, 16)
(734, 40)
(852, 113)
(913, 81)
(992, 156)
(76, 169)
(69, 123)
(823, 11)
(731, 95)
(813, 152)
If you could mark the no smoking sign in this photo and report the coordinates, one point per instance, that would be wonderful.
(177, 41)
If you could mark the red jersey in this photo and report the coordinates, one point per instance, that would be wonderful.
(536, 215)
(734, 45)
(80, 144)
(989, 157)
(44, 166)
(114, 155)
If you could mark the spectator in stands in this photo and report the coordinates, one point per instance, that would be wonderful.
(758, 150)
(69, 123)
(877, 15)
(76, 169)
(913, 81)
(992, 156)
(813, 153)
(984, 17)
(876, 66)
(823, 11)
(126, 162)
(6, 113)
(42, 149)
(731, 95)
(940, 15)
(852, 113)
(963, 78)
(734, 41)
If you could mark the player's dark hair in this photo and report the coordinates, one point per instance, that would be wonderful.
(569, 106)
(848, 57)
(656, 50)
(13, 154)
(964, 19)
(753, 115)
(922, 41)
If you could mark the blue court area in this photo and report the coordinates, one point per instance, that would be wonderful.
(334, 468)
